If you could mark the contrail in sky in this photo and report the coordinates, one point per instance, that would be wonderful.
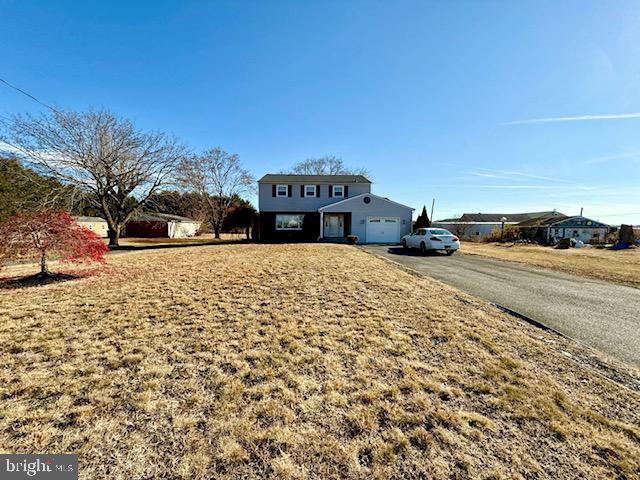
(578, 118)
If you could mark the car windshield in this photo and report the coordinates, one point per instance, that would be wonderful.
(440, 232)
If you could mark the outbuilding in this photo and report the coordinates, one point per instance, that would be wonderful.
(163, 225)
(95, 224)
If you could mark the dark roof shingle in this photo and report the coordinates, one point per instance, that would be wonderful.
(160, 217)
(286, 178)
(497, 217)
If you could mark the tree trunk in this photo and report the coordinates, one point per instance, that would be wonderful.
(44, 270)
(216, 231)
(114, 237)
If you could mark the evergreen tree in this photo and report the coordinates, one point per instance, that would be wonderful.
(23, 189)
(423, 219)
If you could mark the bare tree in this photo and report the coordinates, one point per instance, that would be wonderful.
(460, 229)
(325, 166)
(112, 164)
(217, 177)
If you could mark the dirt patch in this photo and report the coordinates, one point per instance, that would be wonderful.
(296, 361)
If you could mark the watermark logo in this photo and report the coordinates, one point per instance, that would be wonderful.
(38, 467)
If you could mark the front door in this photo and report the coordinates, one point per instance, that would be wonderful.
(333, 225)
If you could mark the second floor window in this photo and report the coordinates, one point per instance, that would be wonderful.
(282, 191)
(309, 190)
(338, 191)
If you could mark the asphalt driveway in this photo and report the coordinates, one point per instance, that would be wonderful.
(599, 314)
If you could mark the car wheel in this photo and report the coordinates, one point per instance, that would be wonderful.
(423, 248)
(450, 252)
(404, 244)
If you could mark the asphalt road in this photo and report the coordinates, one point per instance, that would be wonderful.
(599, 314)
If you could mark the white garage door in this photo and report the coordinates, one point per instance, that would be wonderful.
(383, 230)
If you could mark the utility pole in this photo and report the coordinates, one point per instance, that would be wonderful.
(433, 202)
(503, 219)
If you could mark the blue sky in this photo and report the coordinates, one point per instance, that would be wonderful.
(435, 99)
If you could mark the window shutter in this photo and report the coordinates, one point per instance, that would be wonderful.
(330, 191)
(289, 190)
(302, 191)
(318, 191)
(346, 191)
(273, 190)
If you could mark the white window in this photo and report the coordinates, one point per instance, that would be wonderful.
(338, 191)
(289, 222)
(309, 190)
(282, 190)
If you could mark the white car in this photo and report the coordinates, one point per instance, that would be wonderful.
(431, 239)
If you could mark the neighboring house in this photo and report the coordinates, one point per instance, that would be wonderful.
(149, 225)
(553, 228)
(479, 226)
(96, 224)
(328, 207)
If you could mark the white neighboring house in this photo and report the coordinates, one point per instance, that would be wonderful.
(95, 224)
(553, 229)
(479, 226)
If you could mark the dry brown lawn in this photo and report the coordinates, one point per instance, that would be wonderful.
(296, 361)
(621, 266)
(198, 240)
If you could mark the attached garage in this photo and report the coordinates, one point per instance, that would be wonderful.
(383, 229)
(371, 218)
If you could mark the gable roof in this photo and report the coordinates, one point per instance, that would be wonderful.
(578, 220)
(313, 179)
(575, 220)
(350, 199)
(89, 219)
(511, 217)
(160, 217)
(542, 221)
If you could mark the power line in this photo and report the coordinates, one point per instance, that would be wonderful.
(27, 94)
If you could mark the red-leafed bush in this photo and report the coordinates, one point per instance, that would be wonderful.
(46, 234)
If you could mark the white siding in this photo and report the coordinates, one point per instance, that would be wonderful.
(377, 207)
(183, 229)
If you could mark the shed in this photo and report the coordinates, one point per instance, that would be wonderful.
(95, 224)
(148, 225)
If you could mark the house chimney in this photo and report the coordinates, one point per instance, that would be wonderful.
(581, 209)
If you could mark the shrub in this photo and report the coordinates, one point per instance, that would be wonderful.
(41, 235)
(511, 234)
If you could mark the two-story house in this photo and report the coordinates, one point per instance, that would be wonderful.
(328, 207)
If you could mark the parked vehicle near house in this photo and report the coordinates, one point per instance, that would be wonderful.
(432, 239)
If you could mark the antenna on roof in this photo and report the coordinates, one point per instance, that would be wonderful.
(581, 209)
